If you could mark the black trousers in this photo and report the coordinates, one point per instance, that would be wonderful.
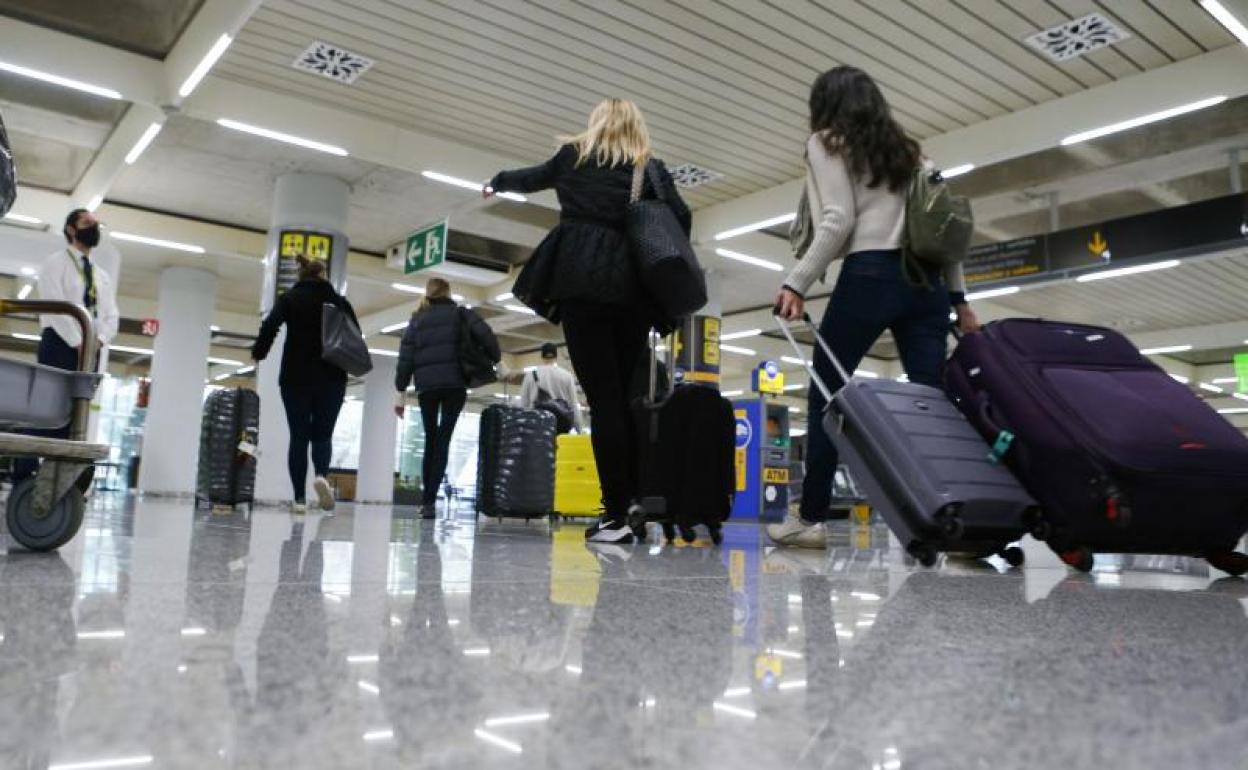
(439, 411)
(605, 343)
(311, 413)
(56, 352)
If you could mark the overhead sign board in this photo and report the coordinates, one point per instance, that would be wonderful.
(425, 248)
(295, 243)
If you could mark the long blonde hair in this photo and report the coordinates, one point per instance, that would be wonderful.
(436, 288)
(616, 134)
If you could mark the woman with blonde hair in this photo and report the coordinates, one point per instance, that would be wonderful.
(583, 276)
(430, 357)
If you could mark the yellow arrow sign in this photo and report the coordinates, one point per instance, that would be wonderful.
(1098, 244)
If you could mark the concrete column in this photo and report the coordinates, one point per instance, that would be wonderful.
(300, 200)
(180, 360)
(376, 477)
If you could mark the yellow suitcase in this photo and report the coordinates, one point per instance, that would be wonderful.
(577, 491)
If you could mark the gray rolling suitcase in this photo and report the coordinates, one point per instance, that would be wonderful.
(923, 466)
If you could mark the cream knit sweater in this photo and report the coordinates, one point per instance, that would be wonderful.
(849, 217)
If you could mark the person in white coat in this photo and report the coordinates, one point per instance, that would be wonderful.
(69, 275)
(556, 381)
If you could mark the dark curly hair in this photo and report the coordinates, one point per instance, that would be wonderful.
(850, 115)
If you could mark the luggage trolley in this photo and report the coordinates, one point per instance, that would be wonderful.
(45, 511)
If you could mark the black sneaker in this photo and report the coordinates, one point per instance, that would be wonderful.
(428, 512)
(613, 531)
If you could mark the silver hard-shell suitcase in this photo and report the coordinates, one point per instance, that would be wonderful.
(922, 465)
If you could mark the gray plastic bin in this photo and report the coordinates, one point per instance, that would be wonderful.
(37, 396)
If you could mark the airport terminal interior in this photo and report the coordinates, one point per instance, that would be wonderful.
(1102, 144)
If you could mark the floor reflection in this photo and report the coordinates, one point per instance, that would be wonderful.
(168, 637)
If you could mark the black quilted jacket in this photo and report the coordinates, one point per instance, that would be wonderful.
(590, 249)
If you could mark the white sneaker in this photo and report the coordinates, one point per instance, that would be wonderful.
(797, 533)
(298, 507)
(324, 493)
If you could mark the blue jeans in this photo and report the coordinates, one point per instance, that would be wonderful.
(871, 295)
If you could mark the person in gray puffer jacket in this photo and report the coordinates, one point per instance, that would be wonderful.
(429, 357)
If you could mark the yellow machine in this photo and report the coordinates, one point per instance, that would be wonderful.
(577, 491)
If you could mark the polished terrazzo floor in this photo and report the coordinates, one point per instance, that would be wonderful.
(162, 637)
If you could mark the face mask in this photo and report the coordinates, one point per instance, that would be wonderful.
(89, 236)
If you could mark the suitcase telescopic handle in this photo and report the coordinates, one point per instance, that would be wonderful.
(827, 349)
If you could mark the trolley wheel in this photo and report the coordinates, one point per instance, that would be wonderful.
(688, 534)
(1080, 558)
(923, 554)
(952, 527)
(1042, 530)
(1232, 563)
(45, 533)
(717, 534)
(1014, 556)
(669, 532)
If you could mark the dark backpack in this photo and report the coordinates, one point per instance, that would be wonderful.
(558, 407)
(939, 224)
(474, 361)
(8, 172)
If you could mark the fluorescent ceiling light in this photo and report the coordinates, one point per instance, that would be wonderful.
(221, 377)
(866, 373)
(112, 633)
(246, 370)
(105, 764)
(128, 349)
(27, 337)
(195, 631)
(732, 393)
(1234, 410)
(734, 692)
(25, 291)
(477, 651)
(48, 77)
(29, 271)
(1151, 117)
(518, 719)
(457, 297)
(747, 259)
(1166, 349)
(794, 410)
(950, 173)
(363, 658)
(504, 297)
(498, 741)
(407, 288)
(795, 386)
(741, 335)
(383, 353)
(798, 361)
(204, 65)
(786, 653)
(1225, 380)
(214, 328)
(224, 361)
(797, 432)
(793, 685)
(379, 735)
(1226, 19)
(734, 710)
(989, 293)
(95, 202)
(763, 225)
(368, 687)
(394, 327)
(23, 219)
(737, 350)
(143, 142)
(467, 185)
(160, 242)
(520, 309)
(281, 137)
(1102, 274)
(1211, 388)
(1180, 378)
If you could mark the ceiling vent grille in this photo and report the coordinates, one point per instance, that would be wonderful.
(688, 176)
(333, 62)
(1077, 38)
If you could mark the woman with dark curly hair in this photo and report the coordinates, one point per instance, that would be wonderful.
(859, 166)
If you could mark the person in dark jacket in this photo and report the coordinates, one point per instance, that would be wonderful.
(589, 283)
(429, 357)
(312, 388)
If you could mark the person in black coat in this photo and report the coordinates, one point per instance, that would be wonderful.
(429, 357)
(583, 276)
(312, 389)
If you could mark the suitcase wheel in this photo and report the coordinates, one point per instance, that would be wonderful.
(1014, 556)
(717, 534)
(1232, 562)
(669, 532)
(1080, 558)
(688, 534)
(923, 554)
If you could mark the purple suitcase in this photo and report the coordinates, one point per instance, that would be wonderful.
(1121, 456)
(923, 466)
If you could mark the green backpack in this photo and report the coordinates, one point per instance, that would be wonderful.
(939, 224)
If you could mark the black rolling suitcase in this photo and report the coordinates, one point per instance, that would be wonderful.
(686, 440)
(516, 462)
(228, 438)
(923, 466)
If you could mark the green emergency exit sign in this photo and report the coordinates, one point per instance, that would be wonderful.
(425, 248)
(1241, 371)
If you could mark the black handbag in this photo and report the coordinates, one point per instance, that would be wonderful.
(8, 172)
(341, 342)
(665, 259)
(474, 360)
(558, 407)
